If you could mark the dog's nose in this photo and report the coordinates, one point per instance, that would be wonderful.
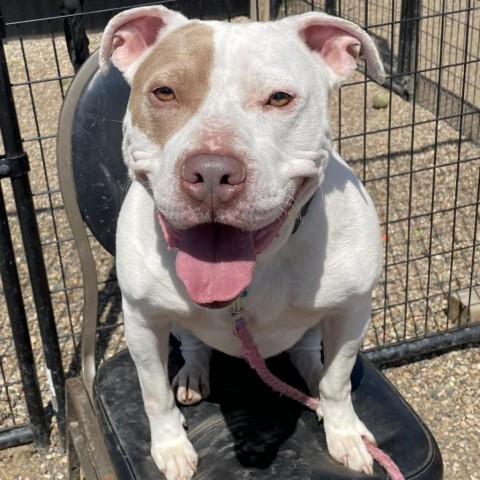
(213, 179)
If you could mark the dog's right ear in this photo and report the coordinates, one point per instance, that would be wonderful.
(338, 43)
(130, 34)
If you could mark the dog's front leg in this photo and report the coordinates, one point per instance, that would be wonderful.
(342, 335)
(147, 340)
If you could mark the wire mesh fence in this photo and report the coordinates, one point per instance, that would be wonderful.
(419, 157)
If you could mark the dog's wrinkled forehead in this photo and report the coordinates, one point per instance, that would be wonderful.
(178, 67)
(182, 61)
(218, 68)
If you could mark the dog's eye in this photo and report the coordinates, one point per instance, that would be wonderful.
(279, 99)
(165, 94)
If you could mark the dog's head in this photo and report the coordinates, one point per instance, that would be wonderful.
(227, 125)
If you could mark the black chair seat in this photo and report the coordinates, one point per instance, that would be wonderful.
(245, 430)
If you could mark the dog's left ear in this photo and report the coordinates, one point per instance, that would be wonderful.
(339, 43)
(130, 34)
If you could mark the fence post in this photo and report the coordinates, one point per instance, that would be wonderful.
(13, 293)
(20, 333)
(331, 7)
(15, 165)
(408, 46)
(75, 34)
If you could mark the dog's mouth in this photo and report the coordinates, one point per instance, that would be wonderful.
(216, 261)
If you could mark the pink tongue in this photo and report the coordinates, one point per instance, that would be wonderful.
(215, 262)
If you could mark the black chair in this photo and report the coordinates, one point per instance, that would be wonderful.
(243, 430)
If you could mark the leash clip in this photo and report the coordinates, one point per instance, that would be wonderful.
(236, 311)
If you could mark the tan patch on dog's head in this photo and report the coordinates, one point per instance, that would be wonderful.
(181, 61)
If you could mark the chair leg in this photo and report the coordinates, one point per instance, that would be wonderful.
(72, 457)
(86, 451)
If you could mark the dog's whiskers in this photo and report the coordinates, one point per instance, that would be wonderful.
(145, 184)
(127, 185)
(292, 204)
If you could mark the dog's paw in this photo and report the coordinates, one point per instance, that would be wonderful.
(175, 458)
(190, 385)
(347, 446)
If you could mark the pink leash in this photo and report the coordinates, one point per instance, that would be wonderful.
(255, 360)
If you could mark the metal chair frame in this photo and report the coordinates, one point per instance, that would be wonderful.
(86, 449)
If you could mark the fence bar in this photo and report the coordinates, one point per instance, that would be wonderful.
(436, 343)
(15, 165)
(41, 293)
(407, 48)
(331, 7)
(13, 437)
(75, 34)
(20, 333)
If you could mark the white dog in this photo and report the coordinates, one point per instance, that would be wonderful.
(227, 139)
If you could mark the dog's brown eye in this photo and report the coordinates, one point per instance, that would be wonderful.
(165, 94)
(279, 99)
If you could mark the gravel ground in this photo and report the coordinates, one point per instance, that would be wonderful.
(428, 189)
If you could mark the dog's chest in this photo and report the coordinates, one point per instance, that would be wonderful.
(270, 336)
(272, 318)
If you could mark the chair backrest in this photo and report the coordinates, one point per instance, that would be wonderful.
(93, 178)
